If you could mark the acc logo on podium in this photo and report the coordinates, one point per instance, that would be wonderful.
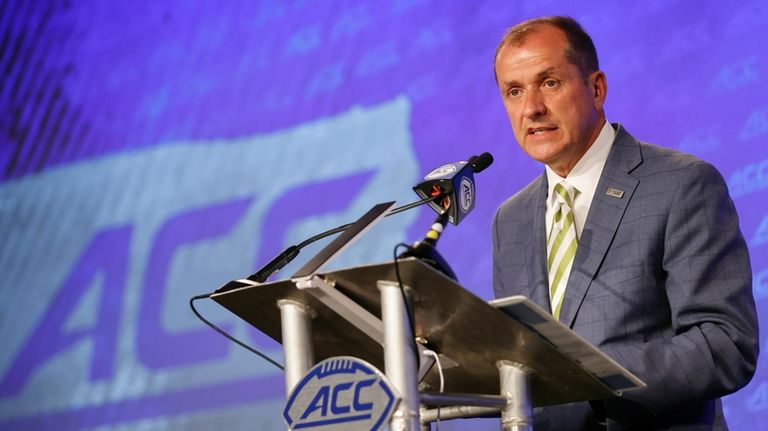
(341, 393)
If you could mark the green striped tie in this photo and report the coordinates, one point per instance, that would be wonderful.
(561, 245)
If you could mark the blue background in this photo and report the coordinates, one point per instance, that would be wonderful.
(150, 151)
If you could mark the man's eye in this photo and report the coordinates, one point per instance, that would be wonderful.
(550, 83)
(514, 92)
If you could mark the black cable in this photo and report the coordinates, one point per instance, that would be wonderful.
(222, 332)
(405, 302)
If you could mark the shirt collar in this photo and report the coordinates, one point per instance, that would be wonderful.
(586, 173)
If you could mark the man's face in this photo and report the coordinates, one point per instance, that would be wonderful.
(555, 115)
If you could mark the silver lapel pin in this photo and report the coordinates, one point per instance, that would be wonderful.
(616, 193)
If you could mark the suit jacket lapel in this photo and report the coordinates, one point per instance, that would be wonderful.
(603, 220)
(537, 254)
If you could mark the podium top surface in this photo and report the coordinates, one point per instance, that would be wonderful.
(467, 332)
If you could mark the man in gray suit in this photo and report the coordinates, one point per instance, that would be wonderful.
(635, 247)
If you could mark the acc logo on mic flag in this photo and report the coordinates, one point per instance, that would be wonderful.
(341, 393)
(466, 194)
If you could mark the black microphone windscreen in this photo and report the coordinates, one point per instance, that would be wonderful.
(481, 162)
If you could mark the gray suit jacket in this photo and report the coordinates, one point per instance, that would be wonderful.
(661, 282)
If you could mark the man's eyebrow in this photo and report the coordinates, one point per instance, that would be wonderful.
(510, 84)
(539, 76)
(546, 72)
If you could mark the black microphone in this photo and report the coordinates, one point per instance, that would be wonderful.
(479, 163)
(455, 181)
(453, 186)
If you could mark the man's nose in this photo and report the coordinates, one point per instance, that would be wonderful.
(534, 105)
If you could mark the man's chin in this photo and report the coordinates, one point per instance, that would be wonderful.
(540, 151)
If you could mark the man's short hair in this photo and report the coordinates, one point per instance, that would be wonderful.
(580, 51)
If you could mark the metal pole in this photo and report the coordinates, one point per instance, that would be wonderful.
(400, 357)
(517, 415)
(452, 399)
(457, 412)
(296, 321)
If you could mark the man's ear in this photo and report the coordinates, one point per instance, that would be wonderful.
(599, 86)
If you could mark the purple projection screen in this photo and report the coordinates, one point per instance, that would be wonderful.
(150, 151)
